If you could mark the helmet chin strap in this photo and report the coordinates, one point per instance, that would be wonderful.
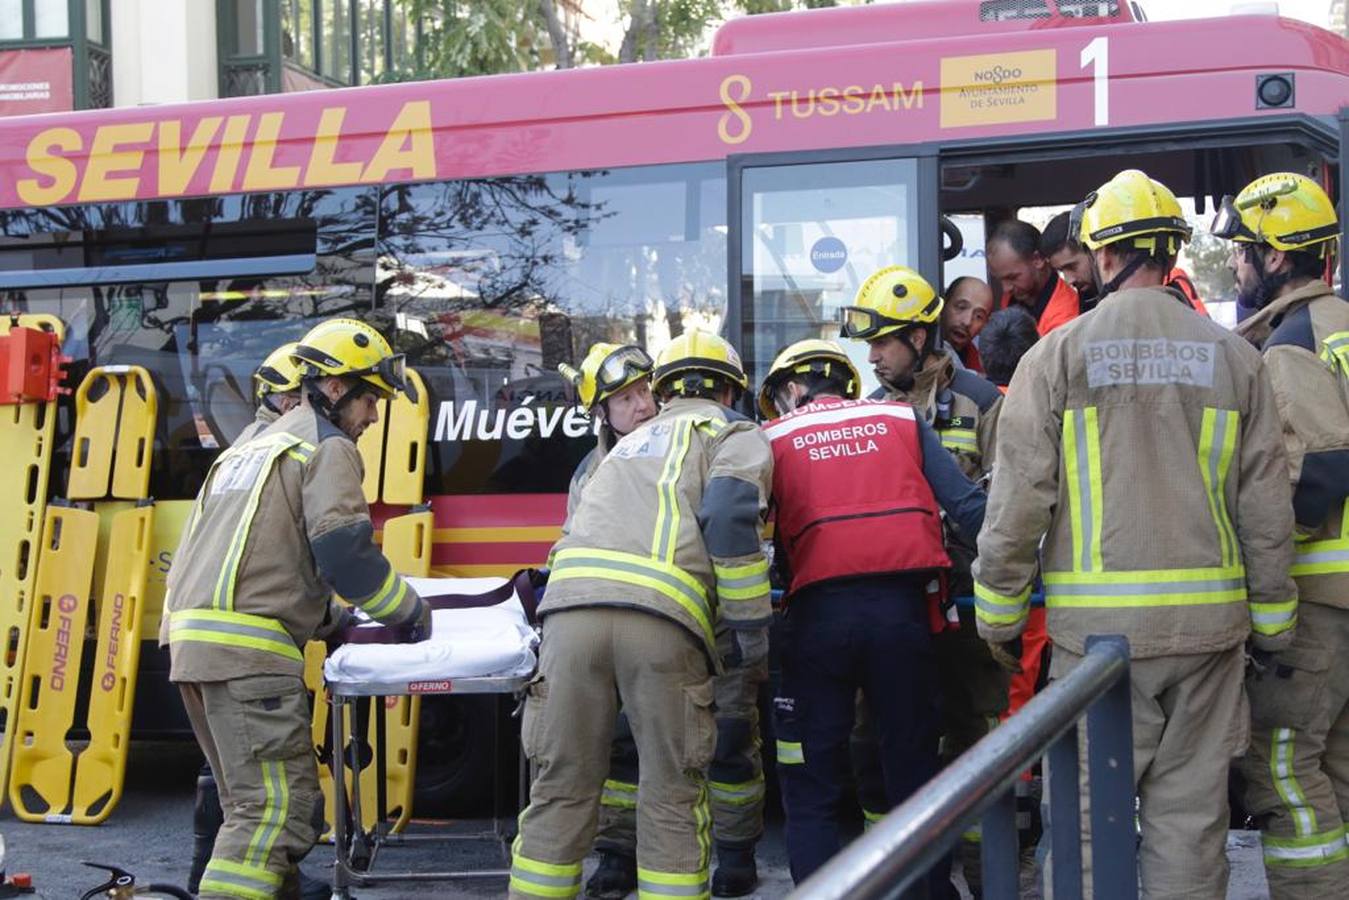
(1122, 275)
(332, 411)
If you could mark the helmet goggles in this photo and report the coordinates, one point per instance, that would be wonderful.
(620, 367)
(1229, 224)
(392, 370)
(863, 324)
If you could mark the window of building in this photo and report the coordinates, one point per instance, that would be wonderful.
(11, 20)
(335, 29)
(51, 18)
(246, 22)
(297, 32)
(371, 39)
(93, 21)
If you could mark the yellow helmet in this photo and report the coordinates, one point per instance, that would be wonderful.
(895, 297)
(811, 355)
(606, 370)
(1285, 210)
(1131, 207)
(354, 349)
(278, 373)
(696, 353)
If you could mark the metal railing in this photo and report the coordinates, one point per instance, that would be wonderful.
(898, 850)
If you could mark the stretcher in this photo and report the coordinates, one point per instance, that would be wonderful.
(114, 434)
(485, 650)
(394, 448)
(26, 438)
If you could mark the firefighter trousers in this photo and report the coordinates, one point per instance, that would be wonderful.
(1190, 719)
(735, 778)
(1297, 769)
(591, 660)
(833, 645)
(254, 731)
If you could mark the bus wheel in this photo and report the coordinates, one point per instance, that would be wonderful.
(454, 756)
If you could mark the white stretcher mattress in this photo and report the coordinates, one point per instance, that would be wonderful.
(464, 643)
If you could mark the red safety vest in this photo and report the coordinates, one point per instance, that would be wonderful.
(850, 494)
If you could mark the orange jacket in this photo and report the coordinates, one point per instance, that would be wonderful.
(1180, 280)
(1058, 303)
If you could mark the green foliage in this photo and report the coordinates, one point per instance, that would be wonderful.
(1207, 256)
(480, 37)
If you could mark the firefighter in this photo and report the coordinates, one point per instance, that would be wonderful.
(613, 385)
(276, 391)
(858, 486)
(1027, 278)
(1140, 463)
(896, 312)
(1284, 233)
(663, 545)
(279, 525)
(623, 400)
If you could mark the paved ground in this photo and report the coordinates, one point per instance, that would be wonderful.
(150, 834)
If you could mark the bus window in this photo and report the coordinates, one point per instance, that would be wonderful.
(200, 338)
(810, 235)
(489, 284)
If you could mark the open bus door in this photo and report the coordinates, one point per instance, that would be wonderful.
(806, 229)
(1344, 203)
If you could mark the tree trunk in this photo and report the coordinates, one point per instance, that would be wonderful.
(638, 35)
(557, 34)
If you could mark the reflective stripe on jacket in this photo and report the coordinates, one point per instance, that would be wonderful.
(1143, 443)
(245, 591)
(1305, 338)
(849, 493)
(669, 523)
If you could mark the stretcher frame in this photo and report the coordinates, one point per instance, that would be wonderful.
(341, 697)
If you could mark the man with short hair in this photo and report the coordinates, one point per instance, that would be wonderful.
(1284, 234)
(1009, 334)
(968, 303)
(1027, 279)
(1069, 259)
(1141, 466)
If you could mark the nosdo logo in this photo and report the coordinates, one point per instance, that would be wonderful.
(998, 74)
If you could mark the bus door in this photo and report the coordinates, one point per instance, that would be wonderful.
(1344, 200)
(807, 230)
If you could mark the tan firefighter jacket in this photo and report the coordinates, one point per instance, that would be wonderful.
(1305, 338)
(1143, 442)
(581, 477)
(280, 524)
(961, 406)
(669, 523)
(262, 419)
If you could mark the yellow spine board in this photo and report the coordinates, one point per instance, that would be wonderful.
(407, 546)
(114, 434)
(42, 765)
(26, 446)
(135, 435)
(405, 446)
(101, 767)
(371, 447)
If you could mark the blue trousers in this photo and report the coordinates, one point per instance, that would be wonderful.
(868, 634)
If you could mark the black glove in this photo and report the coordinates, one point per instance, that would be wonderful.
(421, 626)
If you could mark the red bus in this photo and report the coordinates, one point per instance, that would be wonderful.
(495, 227)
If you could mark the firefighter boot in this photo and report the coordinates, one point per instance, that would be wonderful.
(736, 873)
(206, 820)
(615, 878)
